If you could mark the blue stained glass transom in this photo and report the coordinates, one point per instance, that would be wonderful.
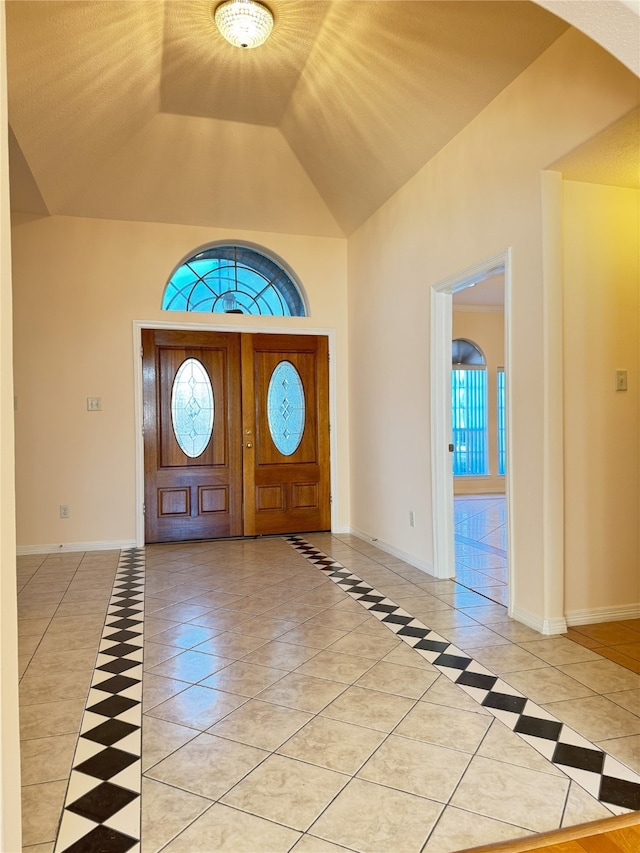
(233, 280)
(192, 407)
(286, 408)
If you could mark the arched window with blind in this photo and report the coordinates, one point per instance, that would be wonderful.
(469, 409)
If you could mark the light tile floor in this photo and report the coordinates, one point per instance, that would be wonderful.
(481, 565)
(480, 540)
(279, 714)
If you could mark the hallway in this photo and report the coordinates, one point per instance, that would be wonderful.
(285, 706)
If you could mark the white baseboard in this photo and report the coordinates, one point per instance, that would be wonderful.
(116, 545)
(603, 614)
(543, 626)
(390, 549)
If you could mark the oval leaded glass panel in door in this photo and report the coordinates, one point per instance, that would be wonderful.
(192, 407)
(286, 408)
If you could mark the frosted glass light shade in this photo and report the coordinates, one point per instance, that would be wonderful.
(244, 23)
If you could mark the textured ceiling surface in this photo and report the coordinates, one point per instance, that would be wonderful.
(611, 157)
(140, 110)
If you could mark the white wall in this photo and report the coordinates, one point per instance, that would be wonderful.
(78, 286)
(9, 731)
(478, 196)
(601, 452)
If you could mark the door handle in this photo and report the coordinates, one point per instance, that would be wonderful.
(248, 444)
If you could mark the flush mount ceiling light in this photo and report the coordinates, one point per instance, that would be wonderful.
(244, 23)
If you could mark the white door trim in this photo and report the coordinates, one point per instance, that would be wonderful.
(139, 325)
(442, 478)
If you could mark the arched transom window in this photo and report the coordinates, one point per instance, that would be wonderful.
(233, 280)
(464, 352)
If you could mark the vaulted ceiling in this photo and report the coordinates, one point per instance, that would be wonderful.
(141, 111)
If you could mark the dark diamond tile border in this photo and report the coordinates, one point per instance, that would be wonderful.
(601, 775)
(102, 805)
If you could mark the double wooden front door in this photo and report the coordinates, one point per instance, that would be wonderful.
(236, 434)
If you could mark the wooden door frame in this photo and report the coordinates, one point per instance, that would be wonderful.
(248, 328)
(442, 479)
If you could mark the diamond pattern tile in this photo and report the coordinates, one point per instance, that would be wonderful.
(92, 799)
(580, 760)
(102, 802)
(102, 810)
(104, 839)
(110, 732)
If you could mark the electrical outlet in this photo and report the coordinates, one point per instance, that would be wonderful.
(621, 380)
(94, 404)
(64, 511)
(412, 518)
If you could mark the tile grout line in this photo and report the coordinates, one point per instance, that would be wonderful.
(276, 752)
(53, 615)
(459, 782)
(480, 545)
(600, 774)
(102, 808)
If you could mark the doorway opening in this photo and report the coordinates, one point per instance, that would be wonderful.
(478, 437)
(471, 509)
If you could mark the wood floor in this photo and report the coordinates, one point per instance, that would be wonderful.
(613, 835)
